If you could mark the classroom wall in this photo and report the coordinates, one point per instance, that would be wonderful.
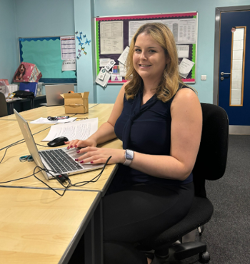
(34, 18)
(205, 46)
(30, 18)
(8, 44)
(45, 18)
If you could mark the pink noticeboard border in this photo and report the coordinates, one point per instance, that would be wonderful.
(123, 81)
(146, 16)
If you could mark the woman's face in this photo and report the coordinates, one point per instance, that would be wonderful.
(149, 58)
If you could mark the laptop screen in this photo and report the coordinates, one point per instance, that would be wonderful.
(53, 93)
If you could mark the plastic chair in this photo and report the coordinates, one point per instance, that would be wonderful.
(210, 165)
(3, 105)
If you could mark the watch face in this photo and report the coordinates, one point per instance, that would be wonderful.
(129, 154)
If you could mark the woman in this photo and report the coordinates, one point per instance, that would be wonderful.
(159, 121)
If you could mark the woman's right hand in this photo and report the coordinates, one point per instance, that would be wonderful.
(81, 143)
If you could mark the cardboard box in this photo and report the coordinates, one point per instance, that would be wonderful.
(76, 103)
(27, 72)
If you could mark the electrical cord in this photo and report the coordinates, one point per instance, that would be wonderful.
(62, 178)
(55, 177)
(93, 106)
(16, 143)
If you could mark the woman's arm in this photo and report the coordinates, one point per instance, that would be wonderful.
(186, 130)
(106, 130)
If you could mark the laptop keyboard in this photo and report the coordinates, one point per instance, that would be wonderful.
(59, 161)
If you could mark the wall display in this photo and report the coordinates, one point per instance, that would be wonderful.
(49, 54)
(114, 34)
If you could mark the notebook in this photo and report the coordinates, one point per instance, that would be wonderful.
(29, 87)
(53, 92)
(57, 161)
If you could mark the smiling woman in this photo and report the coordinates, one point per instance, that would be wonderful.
(159, 122)
(160, 40)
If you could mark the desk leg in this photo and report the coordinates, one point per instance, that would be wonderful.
(93, 238)
(89, 252)
(98, 234)
(11, 105)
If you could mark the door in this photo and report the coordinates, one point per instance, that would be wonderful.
(234, 66)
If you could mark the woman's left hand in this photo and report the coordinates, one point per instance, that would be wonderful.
(96, 155)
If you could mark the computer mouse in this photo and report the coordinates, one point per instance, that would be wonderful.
(59, 141)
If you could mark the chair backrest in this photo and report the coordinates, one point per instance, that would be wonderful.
(3, 105)
(212, 156)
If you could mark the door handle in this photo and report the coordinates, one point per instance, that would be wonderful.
(223, 73)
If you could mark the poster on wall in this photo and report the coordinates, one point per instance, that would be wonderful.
(114, 34)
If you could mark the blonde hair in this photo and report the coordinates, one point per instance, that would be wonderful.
(170, 80)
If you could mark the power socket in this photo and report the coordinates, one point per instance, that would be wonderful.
(203, 77)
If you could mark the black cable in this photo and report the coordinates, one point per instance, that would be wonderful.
(93, 106)
(17, 179)
(65, 187)
(13, 144)
(42, 145)
(16, 143)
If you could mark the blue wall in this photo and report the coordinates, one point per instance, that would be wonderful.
(8, 43)
(33, 18)
(30, 18)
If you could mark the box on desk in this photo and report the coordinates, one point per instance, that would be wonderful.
(76, 103)
(27, 72)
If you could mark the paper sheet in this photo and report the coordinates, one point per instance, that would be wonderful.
(76, 130)
(104, 61)
(43, 120)
(111, 35)
(105, 80)
(122, 70)
(183, 51)
(69, 65)
(185, 67)
(134, 25)
(122, 59)
(68, 50)
(187, 31)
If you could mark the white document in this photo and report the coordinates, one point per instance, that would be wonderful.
(111, 35)
(109, 65)
(122, 69)
(103, 62)
(101, 74)
(185, 67)
(76, 130)
(69, 65)
(103, 82)
(133, 26)
(43, 120)
(187, 31)
(68, 50)
(169, 23)
(122, 59)
(183, 51)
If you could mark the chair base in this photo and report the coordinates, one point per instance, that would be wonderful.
(186, 250)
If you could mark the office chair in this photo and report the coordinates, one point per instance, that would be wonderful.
(210, 165)
(3, 105)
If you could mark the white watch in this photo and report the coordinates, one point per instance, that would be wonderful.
(129, 155)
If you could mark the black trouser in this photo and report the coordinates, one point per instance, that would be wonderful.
(139, 212)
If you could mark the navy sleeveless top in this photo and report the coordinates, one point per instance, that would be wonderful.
(145, 129)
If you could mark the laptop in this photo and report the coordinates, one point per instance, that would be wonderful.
(55, 161)
(53, 92)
